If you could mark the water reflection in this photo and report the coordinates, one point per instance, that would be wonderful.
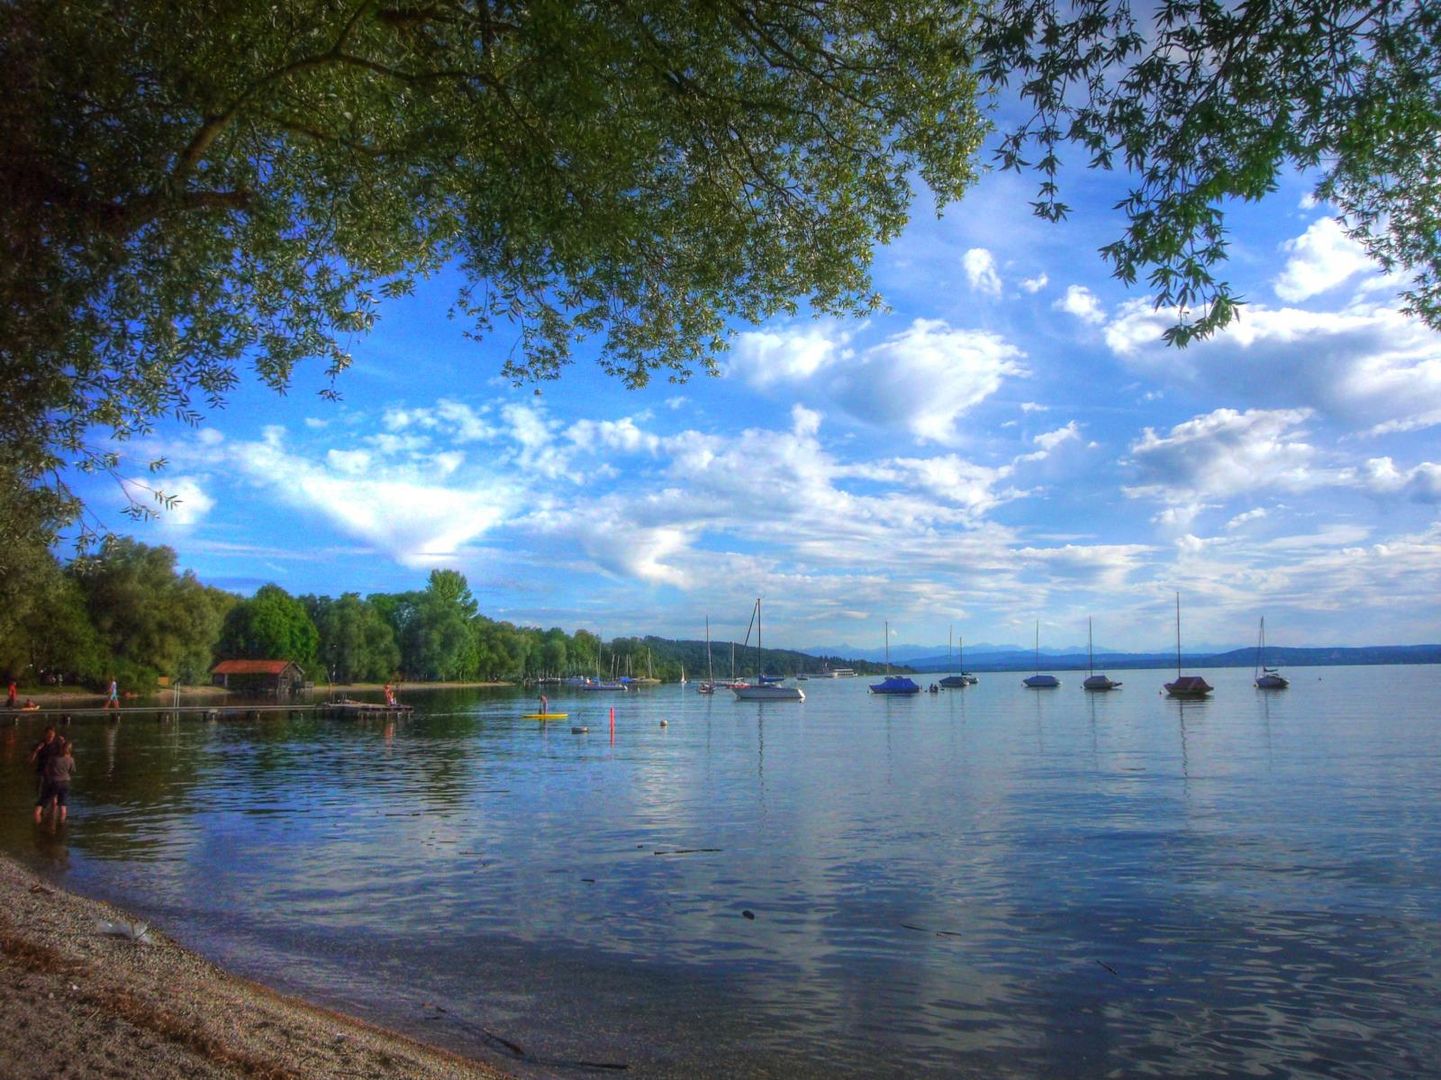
(992, 882)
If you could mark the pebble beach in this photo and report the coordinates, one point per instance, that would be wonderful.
(91, 993)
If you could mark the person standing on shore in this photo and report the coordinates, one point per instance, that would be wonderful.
(10, 698)
(55, 787)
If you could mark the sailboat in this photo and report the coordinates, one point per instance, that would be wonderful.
(971, 680)
(1185, 686)
(707, 687)
(599, 684)
(1267, 678)
(893, 684)
(1094, 681)
(1039, 681)
(764, 690)
(956, 682)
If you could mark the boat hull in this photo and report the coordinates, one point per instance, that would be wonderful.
(1189, 686)
(1041, 682)
(1100, 682)
(768, 692)
(896, 684)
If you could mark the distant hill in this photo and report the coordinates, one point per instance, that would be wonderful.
(666, 655)
(1025, 659)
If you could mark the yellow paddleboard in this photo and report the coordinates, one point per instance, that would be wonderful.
(545, 716)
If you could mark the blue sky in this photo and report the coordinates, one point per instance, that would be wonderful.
(1010, 442)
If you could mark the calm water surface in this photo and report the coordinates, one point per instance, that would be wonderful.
(988, 882)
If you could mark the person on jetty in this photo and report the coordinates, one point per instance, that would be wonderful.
(390, 695)
(55, 784)
(113, 700)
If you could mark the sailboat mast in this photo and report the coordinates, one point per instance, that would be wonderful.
(1090, 648)
(1178, 635)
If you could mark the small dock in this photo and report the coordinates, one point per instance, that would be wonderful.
(345, 707)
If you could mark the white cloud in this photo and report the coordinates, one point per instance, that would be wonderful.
(980, 267)
(534, 434)
(1368, 366)
(191, 502)
(397, 508)
(1421, 484)
(1052, 439)
(352, 462)
(924, 379)
(622, 435)
(1226, 453)
(1245, 518)
(766, 357)
(1035, 284)
(1082, 303)
(1322, 258)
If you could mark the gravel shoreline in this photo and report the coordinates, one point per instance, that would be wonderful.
(84, 999)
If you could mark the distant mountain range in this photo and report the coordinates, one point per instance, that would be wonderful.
(1072, 658)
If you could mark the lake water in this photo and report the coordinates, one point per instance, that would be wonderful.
(988, 882)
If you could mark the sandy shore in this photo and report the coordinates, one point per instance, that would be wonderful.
(81, 998)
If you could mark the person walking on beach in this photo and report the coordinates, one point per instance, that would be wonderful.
(113, 700)
(55, 786)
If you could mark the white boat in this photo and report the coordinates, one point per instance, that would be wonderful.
(1185, 686)
(762, 690)
(1267, 678)
(1038, 681)
(893, 684)
(1094, 681)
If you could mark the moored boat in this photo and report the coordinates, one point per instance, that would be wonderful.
(894, 684)
(766, 687)
(1185, 686)
(1094, 681)
(1267, 678)
(1040, 681)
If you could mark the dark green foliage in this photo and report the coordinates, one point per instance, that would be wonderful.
(199, 189)
(1211, 102)
(356, 642)
(271, 625)
(150, 621)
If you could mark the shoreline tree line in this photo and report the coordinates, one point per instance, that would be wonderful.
(126, 613)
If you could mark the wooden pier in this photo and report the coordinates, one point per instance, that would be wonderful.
(344, 708)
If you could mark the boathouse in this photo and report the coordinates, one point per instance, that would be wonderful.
(278, 678)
